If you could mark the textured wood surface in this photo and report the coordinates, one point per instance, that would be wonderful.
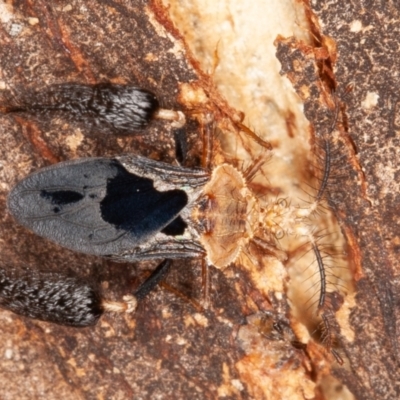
(169, 349)
(354, 54)
(243, 345)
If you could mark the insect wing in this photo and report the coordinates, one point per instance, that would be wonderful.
(94, 206)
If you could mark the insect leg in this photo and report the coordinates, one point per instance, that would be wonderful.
(177, 117)
(51, 296)
(152, 281)
(207, 128)
(119, 109)
(205, 277)
(248, 132)
(173, 248)
(181, 149)
(162, 173)
(66, 299)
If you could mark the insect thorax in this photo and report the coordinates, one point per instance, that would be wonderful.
(225, 216)
(228, 215)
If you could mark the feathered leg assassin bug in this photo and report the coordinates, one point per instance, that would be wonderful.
(131, 208)
(126, 208)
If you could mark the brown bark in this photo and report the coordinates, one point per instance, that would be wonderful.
(354, 52)
(168, 349)
(243, 346)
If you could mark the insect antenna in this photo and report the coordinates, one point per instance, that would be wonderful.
(330, 334)
(187, 299)
(249, 133)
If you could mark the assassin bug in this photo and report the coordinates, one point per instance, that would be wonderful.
(127, 208)
(132, 208)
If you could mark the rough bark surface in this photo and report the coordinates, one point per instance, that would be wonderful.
(355, 56)
(168, 349)
(243, 346)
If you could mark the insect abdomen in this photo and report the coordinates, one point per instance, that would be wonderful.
(96, 206)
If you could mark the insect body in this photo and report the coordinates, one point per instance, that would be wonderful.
(132, 208)
(129, 208)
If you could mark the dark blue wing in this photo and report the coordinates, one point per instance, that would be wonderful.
(95, 206)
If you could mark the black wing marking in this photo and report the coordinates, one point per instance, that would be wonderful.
(95, 206)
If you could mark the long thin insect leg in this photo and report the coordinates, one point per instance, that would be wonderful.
(207, 136)
(205, 277)
(326, 173)
(152, 281)
(322, 273)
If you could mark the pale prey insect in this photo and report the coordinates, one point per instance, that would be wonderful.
(112, 108)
